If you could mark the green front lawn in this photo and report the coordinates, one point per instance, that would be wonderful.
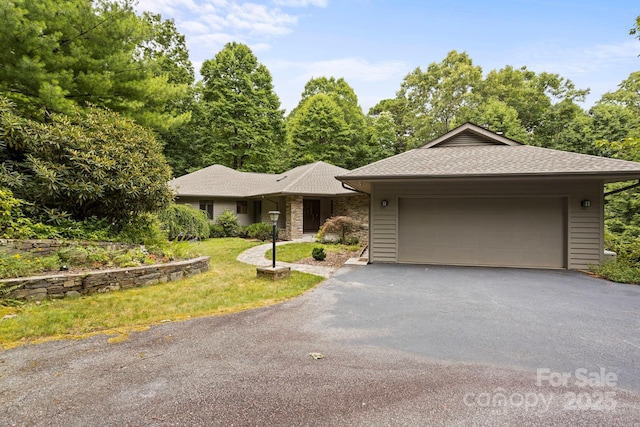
(229, 286)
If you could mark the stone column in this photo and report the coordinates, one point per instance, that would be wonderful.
(294, 217)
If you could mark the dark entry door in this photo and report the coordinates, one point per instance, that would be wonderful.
(310, 215)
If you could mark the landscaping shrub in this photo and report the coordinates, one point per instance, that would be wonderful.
(626, 267)
(261, 231)
(216, 230)
(620, 271)
(183, 222)
(318, 254)
(142, 229)
(243, 231)
(341, 225)
(351, 241)
(229, 223)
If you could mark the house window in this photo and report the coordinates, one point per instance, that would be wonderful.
(241, 207)
(207, 206)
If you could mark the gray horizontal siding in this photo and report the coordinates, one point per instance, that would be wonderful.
(466, 138)
(383, 243)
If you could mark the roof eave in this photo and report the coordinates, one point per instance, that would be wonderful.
(608, 176)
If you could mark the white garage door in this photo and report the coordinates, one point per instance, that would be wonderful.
(508, 232)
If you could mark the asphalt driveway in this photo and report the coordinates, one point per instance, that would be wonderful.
(402, 345)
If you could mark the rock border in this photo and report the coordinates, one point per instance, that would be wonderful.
(100, 281)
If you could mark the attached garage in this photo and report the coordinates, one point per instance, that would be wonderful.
(512, 232)
(473, 197)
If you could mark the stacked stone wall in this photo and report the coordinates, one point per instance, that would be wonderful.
(69, 285)
(356, 208)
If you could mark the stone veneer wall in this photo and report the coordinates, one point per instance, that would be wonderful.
(46, 247)
(68, 285)
(357, 208)
(294, 224)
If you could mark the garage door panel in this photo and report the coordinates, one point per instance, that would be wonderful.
(517, 232)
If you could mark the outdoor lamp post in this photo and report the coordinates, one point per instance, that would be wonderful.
(274, 217)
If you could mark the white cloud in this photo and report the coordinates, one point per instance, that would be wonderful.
(571, 61)
(349, 68)
(259, 19)
(301, 3)
(209, 24)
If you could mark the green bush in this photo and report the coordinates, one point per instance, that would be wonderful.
(91, 162)
(142, 229)
(351, 241)
(318, 254)
(261, 231)
(216, 231)
(183, 222)
(229, 223)
(620, 271)
(243, 231)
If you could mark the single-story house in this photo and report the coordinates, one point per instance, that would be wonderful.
(305, 196)
(474, 197)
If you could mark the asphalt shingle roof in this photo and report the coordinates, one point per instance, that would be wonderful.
(490, 160)
(220, 181)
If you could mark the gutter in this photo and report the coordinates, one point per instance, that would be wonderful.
(620, 190)
(346, 187)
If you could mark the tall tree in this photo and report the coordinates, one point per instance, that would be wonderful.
(343, 95)
(440, 96)
(246, 121)
(318, 131)
(60, 54)
(382, 136)
(530, 94)
(398, 108)
(344, 133)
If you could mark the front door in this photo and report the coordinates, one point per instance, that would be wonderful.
(310, 216)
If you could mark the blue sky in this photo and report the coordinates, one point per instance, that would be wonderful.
(374, 44)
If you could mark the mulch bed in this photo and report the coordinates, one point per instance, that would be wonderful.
(333, 259)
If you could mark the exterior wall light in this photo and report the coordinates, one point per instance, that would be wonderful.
(585, 203)
(384, 203)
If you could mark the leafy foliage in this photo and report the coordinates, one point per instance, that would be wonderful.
(58, 55)
(328, 125)
(183, 222)
(318, 254)
(242, 110)
(319, 132)
(341, 225)
(91, 163)
(261, 231)
(228, 222)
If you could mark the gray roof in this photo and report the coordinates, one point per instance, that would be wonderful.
(314, 179)
(486, 160)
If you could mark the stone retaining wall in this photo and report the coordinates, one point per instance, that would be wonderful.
(69, 285)
(46, 247)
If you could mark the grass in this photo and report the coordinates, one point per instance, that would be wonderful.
(229, 286)
(296, 251)
(620, 271)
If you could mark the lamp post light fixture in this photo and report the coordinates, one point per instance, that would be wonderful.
(274, 217)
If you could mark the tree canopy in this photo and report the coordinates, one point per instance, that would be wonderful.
(242, 110)
(58, 55)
